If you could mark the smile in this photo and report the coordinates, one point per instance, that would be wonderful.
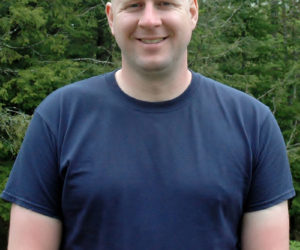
(152, 41)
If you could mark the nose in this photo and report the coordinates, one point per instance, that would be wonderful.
(150, 16)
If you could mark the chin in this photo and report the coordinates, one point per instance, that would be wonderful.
(154, 67)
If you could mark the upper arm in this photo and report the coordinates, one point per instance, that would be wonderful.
(31, 230)
(266, 229)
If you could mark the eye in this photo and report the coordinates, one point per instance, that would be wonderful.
(134, 6)
(164, 4)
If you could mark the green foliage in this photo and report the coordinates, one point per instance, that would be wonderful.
(5, 168)
(13, 125)
(33, 84)
(294, 156)
(47, 44)
(12, 129)
(294, 245)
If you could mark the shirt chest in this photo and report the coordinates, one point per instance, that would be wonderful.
(146, 160)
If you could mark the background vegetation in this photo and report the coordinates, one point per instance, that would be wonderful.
(252, 45)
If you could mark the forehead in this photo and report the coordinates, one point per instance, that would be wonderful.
(124, 1)
(117, 5)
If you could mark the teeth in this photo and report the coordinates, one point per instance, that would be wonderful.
(147, 41)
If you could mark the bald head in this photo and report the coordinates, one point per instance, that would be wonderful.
(112, 1)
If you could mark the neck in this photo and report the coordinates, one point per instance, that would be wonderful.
(154, 86)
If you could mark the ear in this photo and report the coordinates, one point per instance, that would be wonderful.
(110, 16)
(194, 12)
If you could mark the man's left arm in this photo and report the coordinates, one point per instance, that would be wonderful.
(266, 229)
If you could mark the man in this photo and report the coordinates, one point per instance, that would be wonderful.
(151, 156)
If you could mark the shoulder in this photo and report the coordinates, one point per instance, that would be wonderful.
(74, 92)
(75, 100)
(82, 92)
(225, 92)
(229, 100)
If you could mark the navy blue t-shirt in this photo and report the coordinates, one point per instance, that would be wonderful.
(124, 174)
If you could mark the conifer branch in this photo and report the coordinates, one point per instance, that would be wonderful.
(292, 135)
(93, 60)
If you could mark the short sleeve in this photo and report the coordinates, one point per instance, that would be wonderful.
(34, 181)
(271, 181)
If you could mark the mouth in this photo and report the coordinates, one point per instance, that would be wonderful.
(152, 41)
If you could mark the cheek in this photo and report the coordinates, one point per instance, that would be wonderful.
(175, 23)
(125, 26)
(184, 27)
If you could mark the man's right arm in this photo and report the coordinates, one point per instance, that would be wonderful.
(33, 231)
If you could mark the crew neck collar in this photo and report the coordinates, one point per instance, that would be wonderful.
(146, 106)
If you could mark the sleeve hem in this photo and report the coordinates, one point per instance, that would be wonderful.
(271, 202)
(28, 205)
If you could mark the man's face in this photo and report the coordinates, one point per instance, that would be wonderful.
(152, 34)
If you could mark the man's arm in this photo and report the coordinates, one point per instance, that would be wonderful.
(266, 229)
(33, 231)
